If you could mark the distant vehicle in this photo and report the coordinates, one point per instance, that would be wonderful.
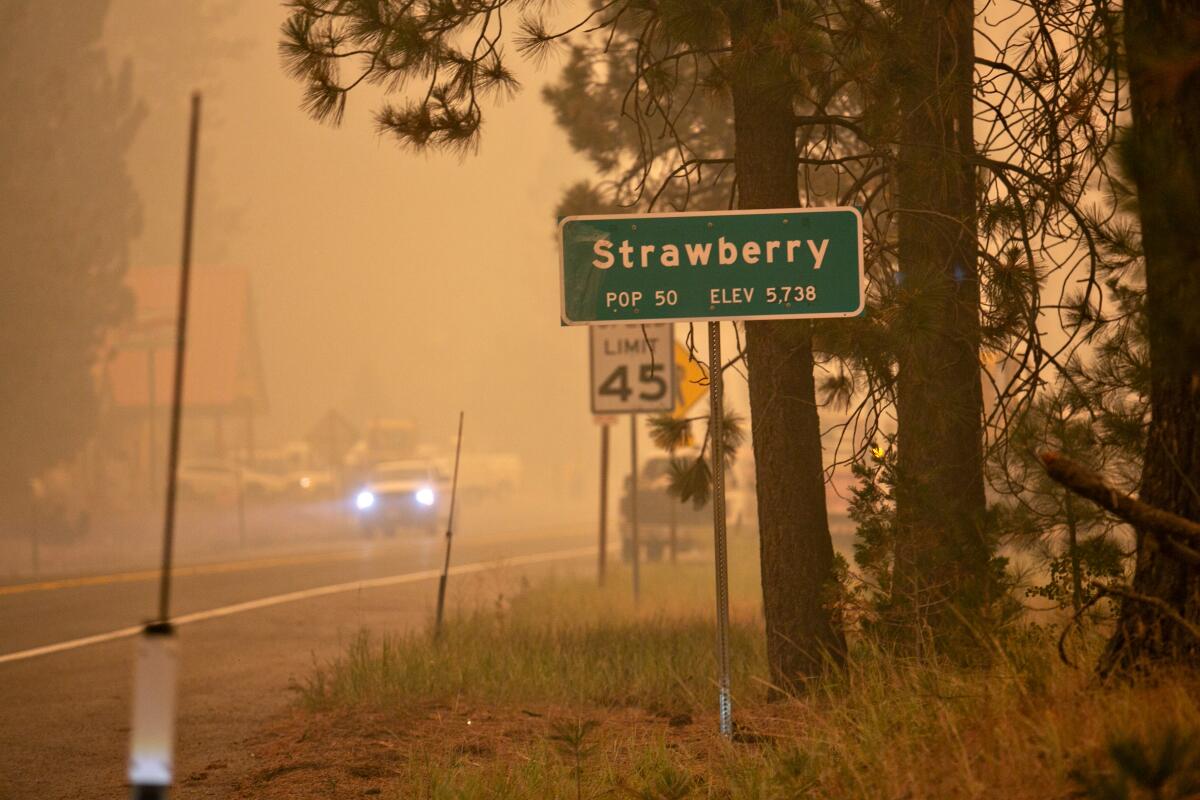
(660, 515)
(399, 494)
(217, 481)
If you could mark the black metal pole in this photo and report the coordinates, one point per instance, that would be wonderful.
(164, 594)
(441, 600)
(602, 555)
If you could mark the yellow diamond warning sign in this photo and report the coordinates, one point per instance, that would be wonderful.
(691, 382)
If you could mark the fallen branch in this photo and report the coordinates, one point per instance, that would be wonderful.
(1086, 483)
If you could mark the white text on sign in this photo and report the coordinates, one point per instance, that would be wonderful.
(727, 253)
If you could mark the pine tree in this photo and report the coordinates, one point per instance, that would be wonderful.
(69, 211)
(1160, 616)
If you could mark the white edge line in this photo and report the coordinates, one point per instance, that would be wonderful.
(303, 594)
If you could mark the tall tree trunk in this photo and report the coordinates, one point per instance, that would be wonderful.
(804, 633)
(942, 554)
(1162, 42)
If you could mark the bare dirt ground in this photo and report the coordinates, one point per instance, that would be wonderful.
(359, 752)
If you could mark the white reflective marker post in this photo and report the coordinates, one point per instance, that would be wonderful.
(152, 728)
(152, 732)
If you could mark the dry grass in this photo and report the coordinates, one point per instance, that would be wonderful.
(488, 712)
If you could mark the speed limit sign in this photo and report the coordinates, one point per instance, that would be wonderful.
(633, 368)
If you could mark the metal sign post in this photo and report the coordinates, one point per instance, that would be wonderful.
(716, 388)
(441, 598)
(602, 555)
(634, 534)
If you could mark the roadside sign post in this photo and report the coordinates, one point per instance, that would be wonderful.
(716, 391)
(635, 538)
(705, 267)
(632, 371)
(602, 555)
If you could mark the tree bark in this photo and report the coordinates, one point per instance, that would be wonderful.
(804, 632)
(942, 554)
(1162, 43)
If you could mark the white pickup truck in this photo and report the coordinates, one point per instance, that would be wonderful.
(399, 494)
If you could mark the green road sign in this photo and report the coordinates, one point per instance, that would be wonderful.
(712, 265)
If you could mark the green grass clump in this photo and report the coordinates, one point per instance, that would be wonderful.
(652, 663)
(559, 644)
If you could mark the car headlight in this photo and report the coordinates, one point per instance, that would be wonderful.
(306, 482)
(364, 500)
(425, 496)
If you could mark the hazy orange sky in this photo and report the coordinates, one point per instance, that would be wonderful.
(426, 281)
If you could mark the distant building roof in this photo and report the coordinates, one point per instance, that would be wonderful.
(223, 371)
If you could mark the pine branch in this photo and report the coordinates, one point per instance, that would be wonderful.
(1086, 483)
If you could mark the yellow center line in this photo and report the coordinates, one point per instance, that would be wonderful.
(303, 594)
(198, 569)
(229, 566)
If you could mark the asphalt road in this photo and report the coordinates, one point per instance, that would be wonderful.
(64, 714)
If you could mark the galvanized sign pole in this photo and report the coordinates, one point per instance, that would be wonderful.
(635, 538)
(602, 555)
(716, 425)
